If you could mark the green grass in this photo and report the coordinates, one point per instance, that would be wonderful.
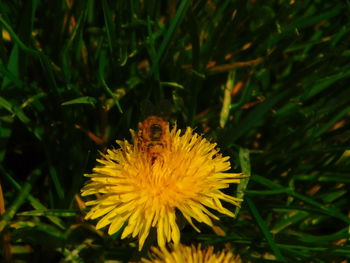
(73, 75)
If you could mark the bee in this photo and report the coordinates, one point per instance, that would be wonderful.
(153, 136)
(153, 133)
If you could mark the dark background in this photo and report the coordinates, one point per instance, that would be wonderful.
(271, 77)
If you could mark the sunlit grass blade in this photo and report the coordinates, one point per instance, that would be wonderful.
(244, 161)
(226, 104)
(16, 38)
(51, 212)
(82, 100)
(14, 109)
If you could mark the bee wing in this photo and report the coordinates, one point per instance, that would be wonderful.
(164, 109)
(147, 109)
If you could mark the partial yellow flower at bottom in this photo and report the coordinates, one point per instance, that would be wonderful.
(142, 184)
(186, 254)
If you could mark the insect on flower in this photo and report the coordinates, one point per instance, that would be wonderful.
(164, 174)
(153, 136)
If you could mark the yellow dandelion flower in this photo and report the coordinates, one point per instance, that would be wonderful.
(142, 184)
(186, 254)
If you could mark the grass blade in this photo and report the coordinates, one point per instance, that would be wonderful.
(244, 161)
(175, 23)
(265, 230)
(21, 198)
(33, 201)
(82, 100)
